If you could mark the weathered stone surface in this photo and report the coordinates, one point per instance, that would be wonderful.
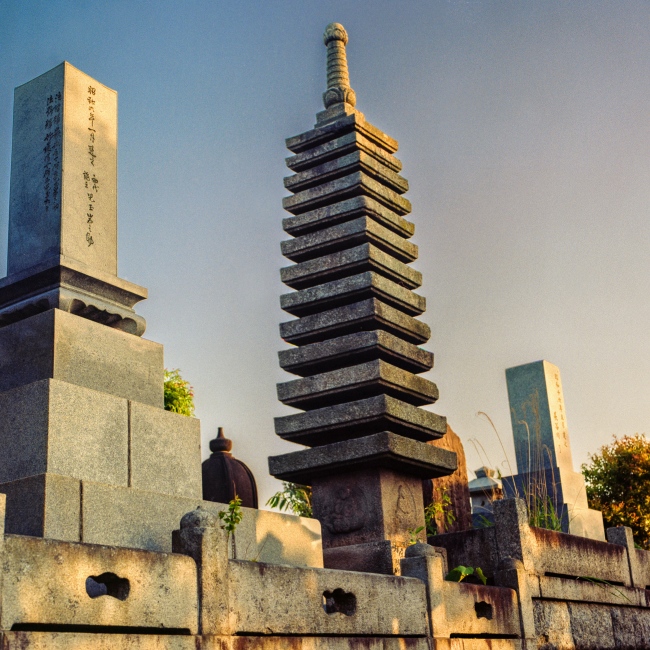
(59, 345)
(385, 605)
(94, 641)
(347, 210)
(553, 625)
(379, 450)
(165, 451)
(348, 235)
(368, 505)
(365, 315)
(343, 165)
(360, 418)
(350, 186)
(53, 189)
(46, 505)
(353, 141)
(324, 643)
(364, 380)
(134, 518)
(355, 348)
(54, 426)
(46, 581)
(353, 122)
(352, 289)
(370, 557)
(350, 262)
(455, 485)
(591, 626)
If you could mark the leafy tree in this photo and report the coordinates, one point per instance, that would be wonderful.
(179, 395)
(618, 484)
(294, 497)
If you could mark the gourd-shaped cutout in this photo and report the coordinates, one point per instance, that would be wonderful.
(339, 601)
(483, 610)
(108, 584)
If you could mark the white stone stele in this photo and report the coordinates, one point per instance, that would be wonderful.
(64, 161)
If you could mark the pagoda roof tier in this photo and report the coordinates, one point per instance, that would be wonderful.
(352, 349)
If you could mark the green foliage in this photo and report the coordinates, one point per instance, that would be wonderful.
(413, 535)
(294, 497)
(542, 513)
(179, 395)
(459, 573)
(442, 506)
(233, 516)
(618, 484)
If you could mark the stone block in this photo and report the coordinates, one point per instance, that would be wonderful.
(63, 584)
(352, 289)
(343, 165)
(368, 505)
(376, 604)
(355, 382)
(59, 345)
(348, 235)
(360, 418)
(127, 517)
(54, 188)
(379, 450)
(366, 315)
(350, 261)
(95, 641)
(372, 557)
(57, 427)
(591, 626)
(165, 451)
(355, 348)
(46, 505)
(266, 642)
(340, 146)
(347, 210)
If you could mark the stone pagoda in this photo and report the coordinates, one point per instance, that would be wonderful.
(357, 337)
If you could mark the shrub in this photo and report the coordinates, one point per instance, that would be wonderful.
(179, 395)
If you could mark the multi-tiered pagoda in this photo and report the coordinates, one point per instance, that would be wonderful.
(356, 336)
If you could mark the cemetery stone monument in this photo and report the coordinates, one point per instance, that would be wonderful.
(356, 337)
(543, 450)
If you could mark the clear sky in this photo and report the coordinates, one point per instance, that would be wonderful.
(524, 134)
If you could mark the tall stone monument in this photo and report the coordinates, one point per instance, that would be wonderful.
(356, 336)
(87, 451)
(543, 451)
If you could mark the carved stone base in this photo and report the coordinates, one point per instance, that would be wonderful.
(373, 557)
(69, 286)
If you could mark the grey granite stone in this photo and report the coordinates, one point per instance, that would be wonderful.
(365, 257)
(346, 210)
(347, 235)
(354, 122)
(59, 345)
(354, 382)
(352, 289)
(165, 451)
(353, 141)
(53, 426)
(383, 449)
(355, 348)
(340, 189)
(347, 164)
(360, 418)
(365, 315)
(45, 505)
(53, 189)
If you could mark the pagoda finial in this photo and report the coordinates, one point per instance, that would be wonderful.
(338, 80)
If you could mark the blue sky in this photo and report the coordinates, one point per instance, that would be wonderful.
(524, 134)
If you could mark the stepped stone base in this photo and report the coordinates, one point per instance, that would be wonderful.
(58, 345)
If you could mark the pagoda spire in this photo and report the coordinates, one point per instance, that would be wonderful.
(338, 79)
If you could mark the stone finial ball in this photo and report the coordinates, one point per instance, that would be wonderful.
(335, 32)
(420, 550)
(199, 518)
